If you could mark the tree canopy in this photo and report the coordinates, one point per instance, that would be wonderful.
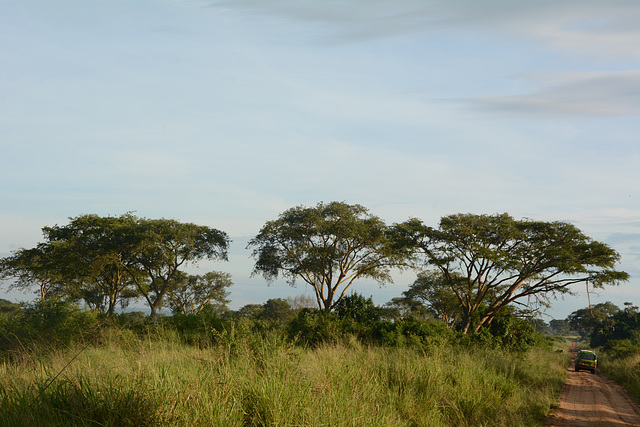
(193, 293)
(493, 261)
(587, 320)
(106, 260)
(328, 246)
(163, 247)
(432, 290)
(471, 268)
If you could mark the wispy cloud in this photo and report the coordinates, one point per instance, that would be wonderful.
(579, 26)
(590, 93)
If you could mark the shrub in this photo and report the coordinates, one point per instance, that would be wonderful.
(312, 327)
(195, 329)
(47, 324)
(411, 332)
(362, 310)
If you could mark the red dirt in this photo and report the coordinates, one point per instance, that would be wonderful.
(593, 400)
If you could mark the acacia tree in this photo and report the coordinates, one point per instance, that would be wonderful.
(106, 260)
(432, 289)
(163, 247)
(39, 266)
(95, 252)
(493, 261)
(329, 247)
(195, 292)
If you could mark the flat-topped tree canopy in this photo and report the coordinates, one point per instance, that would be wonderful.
(328, 246)
(492, 261)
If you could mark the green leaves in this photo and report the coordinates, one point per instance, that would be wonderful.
(328, 246)
(106, 260)
(503, 260)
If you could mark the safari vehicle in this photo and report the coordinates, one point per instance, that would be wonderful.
(586, 360)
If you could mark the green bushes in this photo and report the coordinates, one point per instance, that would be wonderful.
(45, 324)
(357, 317)
(53, 324)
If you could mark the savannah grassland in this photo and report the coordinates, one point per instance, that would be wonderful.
(245, 378)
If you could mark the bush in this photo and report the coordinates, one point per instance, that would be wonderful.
(508, 333)
(411, 332)
(358, 308)
(312, 327)
(47, 324)
(620, 349)
(195, 329)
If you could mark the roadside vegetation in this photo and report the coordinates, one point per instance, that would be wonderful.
(615, 334)
(206, 370)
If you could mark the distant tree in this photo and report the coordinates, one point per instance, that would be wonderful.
(540, 325)
(39, 267)
(193, 293)
(617, 327)
(329, 247)
(403, 307)
(7, 306)
(163, 247)
(559, 326)
(300, 302)
(431, 288)
(493, 261)
(250, 311)
(276, 310)
(597, 317)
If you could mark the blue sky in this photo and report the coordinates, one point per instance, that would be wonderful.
(227, 113)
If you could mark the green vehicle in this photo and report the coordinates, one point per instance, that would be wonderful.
(586, 360)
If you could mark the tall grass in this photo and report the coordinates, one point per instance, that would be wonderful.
(248, 379)
(623, 370)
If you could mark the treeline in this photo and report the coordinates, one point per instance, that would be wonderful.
(614, 333)
(51, 324)
(473, 270)
(605, 326)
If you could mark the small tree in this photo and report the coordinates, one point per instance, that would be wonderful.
(276, 310)
(195, 292)
(329, 247)
(358, 308)
(433, 291)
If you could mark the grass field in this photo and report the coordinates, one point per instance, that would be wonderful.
(256, 380)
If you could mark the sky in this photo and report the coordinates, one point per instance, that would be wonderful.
(228, 113)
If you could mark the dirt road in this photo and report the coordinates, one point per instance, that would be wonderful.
(593, 400)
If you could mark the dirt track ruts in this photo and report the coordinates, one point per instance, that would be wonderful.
(593, 400)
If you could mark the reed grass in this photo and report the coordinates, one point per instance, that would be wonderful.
(252, 380)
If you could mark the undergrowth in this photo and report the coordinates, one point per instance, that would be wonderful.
(261, 379)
